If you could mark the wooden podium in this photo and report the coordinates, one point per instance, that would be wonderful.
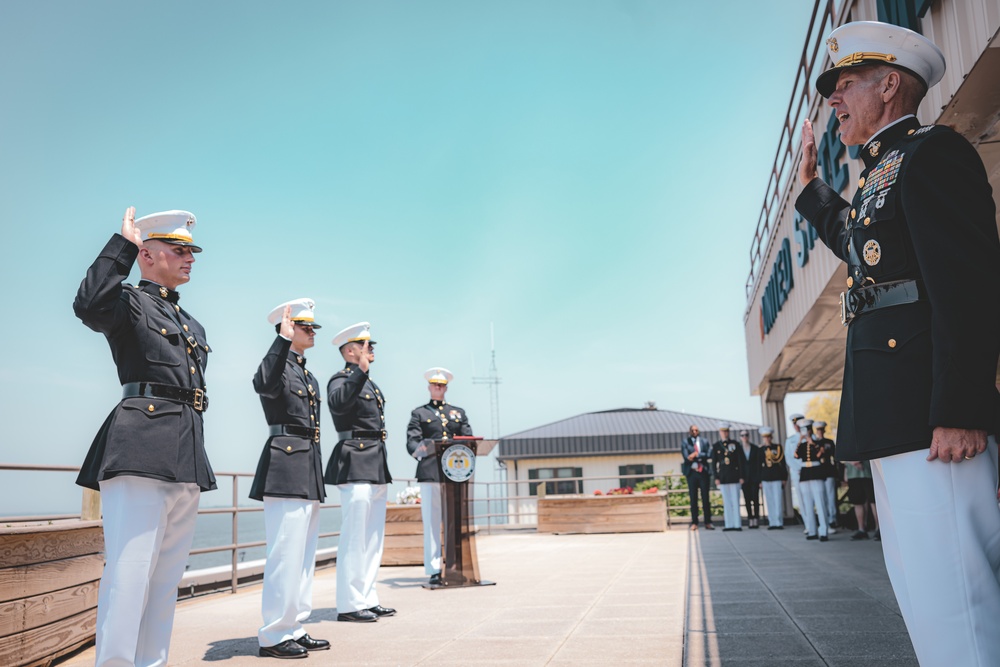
(457, 460)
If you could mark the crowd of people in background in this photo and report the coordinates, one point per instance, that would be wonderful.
(807, 460)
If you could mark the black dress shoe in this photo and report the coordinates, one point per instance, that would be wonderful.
(859, 535)
(812, 537)
(310, 644)
(709, 526)
(823, 538)
(436, 578)
(380, 611)
(286, 649)
(361, 616)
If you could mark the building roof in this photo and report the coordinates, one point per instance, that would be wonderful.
(613, 432)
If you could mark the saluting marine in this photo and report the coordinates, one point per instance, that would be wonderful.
(436, 420)
(289, 480)
(920, 399)
(148, 459)
(360, 469)
(773, 474)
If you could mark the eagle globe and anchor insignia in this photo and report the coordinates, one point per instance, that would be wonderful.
(458, 463)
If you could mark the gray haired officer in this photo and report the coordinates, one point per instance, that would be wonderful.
(289, 481)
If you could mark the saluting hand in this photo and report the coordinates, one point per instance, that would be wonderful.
(363, 357)
(128, 227)
(287, 328)
(807, 168)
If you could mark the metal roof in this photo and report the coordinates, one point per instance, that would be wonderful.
(613, 432)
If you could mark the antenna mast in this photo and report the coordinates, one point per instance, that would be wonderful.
(494, 383)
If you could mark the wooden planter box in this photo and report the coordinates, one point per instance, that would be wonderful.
(637, 513)
(49, 575)
(404, 536)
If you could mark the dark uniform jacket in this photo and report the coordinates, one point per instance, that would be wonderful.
(829, 458)
(808, 451)
(152, 339)
(291, 466)
(773, 468)
(730, 463)
(754, 462)
(923, 211)
(704, 459)
(436, 420)
(357, 404)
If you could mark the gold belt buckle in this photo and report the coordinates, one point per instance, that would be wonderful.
(199, 400)
(315, 435)
(385, 435)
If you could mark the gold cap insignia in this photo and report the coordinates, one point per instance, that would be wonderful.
(163, 292)
(872, 253)
(832, 43)
(874, 149)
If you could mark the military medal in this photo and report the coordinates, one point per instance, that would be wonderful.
(872, 252)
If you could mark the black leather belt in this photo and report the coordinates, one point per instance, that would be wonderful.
(361, 434)
(293, 430)
(196, 398)
(872, 297)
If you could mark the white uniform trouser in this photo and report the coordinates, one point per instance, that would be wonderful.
(430, 512)
(941, 540)
(731, 504)
(830, 492)
(362, 536)
(148, 528)
(292, 527)
(774, 501)
(813, 496)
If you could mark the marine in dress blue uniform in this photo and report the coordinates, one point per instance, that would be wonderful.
(831, 473)
(289, 481)
(435, 420)
(811, 489)
(773, 474)
(920, 398)
(730, 472)
(148, 459)
(360, 470)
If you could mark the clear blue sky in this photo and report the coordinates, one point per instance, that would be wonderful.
(585, 174)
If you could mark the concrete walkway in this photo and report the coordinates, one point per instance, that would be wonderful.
(675, 598)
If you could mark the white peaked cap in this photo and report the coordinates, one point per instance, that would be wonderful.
(766, 430)
(172, 227)
(354, 333)
(796, 415)
(873, 42)
(303, 310)
(438, 375)
(805, 422)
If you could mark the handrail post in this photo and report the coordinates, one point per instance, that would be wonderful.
(236, 532)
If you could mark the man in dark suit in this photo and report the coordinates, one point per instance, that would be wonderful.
(148, 459)
(360, 470)
(435, 420)
(919, 398)
(289, 481)
(696, 453)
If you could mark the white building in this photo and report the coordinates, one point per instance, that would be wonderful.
(604, 446)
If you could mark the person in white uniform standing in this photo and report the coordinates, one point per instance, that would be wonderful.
(289, 481)
(360, 470)
(436, 420)
(148, 459)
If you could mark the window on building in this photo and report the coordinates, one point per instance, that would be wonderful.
(555, 486)
(634, 469)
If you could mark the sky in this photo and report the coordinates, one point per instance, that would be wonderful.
(583, 175)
